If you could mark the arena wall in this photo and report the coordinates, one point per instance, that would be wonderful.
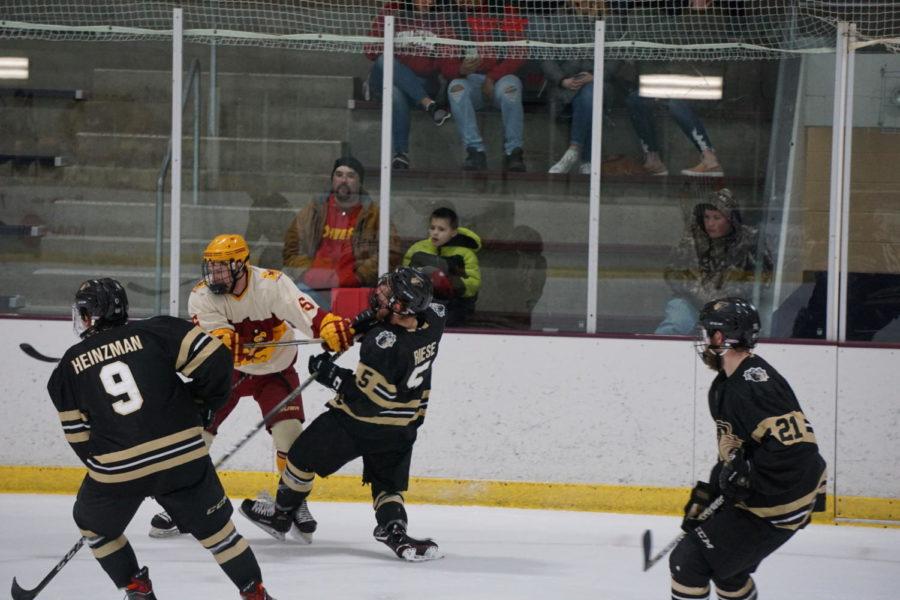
(580, 422)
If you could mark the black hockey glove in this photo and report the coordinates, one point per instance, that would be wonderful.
(734, 478)
(322, 367)
(701, 497)
(207, 416)
(364, 321)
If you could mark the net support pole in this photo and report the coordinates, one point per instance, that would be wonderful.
(838, 208)
(593, 278)
(387, 102)
(175, 206)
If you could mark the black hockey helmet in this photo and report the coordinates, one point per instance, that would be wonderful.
(736, 318)
(103, 302)
(410, 292)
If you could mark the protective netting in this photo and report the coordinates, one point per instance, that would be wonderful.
(636, 29)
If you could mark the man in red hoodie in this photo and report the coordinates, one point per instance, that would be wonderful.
(417, 63)
(486, 76)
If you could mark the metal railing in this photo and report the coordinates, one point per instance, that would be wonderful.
(193, 86)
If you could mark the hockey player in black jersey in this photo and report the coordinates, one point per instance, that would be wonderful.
(769, 469)
(375, 414)
(136, 425)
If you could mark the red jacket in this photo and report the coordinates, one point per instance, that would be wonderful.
(423, 58)
(486, 26)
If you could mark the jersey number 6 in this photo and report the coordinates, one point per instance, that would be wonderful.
(118, 381)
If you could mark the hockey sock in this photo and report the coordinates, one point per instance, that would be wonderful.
(744, 592)
(389, 508)
(116, 556)
(293, 487)
(234, 555)
(688, 592)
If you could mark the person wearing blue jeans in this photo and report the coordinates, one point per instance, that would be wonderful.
(409, 91)
(641, 111)
(466, 97)
(574, 84)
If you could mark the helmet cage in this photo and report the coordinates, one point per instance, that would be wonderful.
(735, 318)
(216, 285)
(403, 292)
(99, 304)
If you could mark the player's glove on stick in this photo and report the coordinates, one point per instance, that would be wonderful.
(734, 478)
(701, 497)
(336, 332)
(322, 367)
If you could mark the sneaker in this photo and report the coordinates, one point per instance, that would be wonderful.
(704, 169)
(585, 168)
(255, 591)
(140, 588)
(304, 523)
(265, 515)
(654, 166)
(162, 526)
(438, 115)
(400, 162)
(567, 162)
(394, 537)
(476, 160)
(514, 161)
(708, 167)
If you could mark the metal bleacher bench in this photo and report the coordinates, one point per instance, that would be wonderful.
(19, 92)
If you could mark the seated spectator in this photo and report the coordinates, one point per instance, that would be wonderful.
(448, 257)
(572, 82)
(415, 73)
(718, 256)
(641, 112)
(486, 77)
(333, 240)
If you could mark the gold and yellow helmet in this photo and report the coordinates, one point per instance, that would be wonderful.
(232, 252)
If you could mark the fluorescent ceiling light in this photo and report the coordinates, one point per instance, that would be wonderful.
(13, 67)
(682, 87)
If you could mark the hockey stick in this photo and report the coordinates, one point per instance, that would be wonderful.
(647, 539)
(30, 351)
(287, 343)
(19, 593)
(268, 416)
(142, 289)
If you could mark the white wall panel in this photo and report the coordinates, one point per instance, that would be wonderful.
(543, 408)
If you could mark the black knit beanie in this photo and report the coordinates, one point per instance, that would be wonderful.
(349, 161)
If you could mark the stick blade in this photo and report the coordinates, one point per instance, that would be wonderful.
(30, 351)
(647, 543)
(20, 594)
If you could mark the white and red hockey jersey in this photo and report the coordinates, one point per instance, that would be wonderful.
(264, 312)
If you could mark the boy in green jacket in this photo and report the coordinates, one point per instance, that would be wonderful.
(448, 257)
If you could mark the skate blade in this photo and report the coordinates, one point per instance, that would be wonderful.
(156, 532)
(301, 536)
(278, 535)
(432, 553)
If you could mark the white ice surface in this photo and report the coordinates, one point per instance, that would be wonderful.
(490, 553)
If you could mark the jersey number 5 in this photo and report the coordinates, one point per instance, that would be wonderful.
(118, 381)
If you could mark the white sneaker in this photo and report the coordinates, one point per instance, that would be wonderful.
(585, 168)
(567, 162)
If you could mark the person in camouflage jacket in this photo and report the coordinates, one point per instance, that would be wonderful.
(718, 256)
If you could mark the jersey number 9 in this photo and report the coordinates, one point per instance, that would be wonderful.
(118, 381)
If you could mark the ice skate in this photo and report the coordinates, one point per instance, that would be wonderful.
(394, 537)
(304, 524)
(163, 526)
(255, 591)
(140, 587)
(267, 517)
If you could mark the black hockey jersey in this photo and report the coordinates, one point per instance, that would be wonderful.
(393, 379)
(757, 409)
(126, 412)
